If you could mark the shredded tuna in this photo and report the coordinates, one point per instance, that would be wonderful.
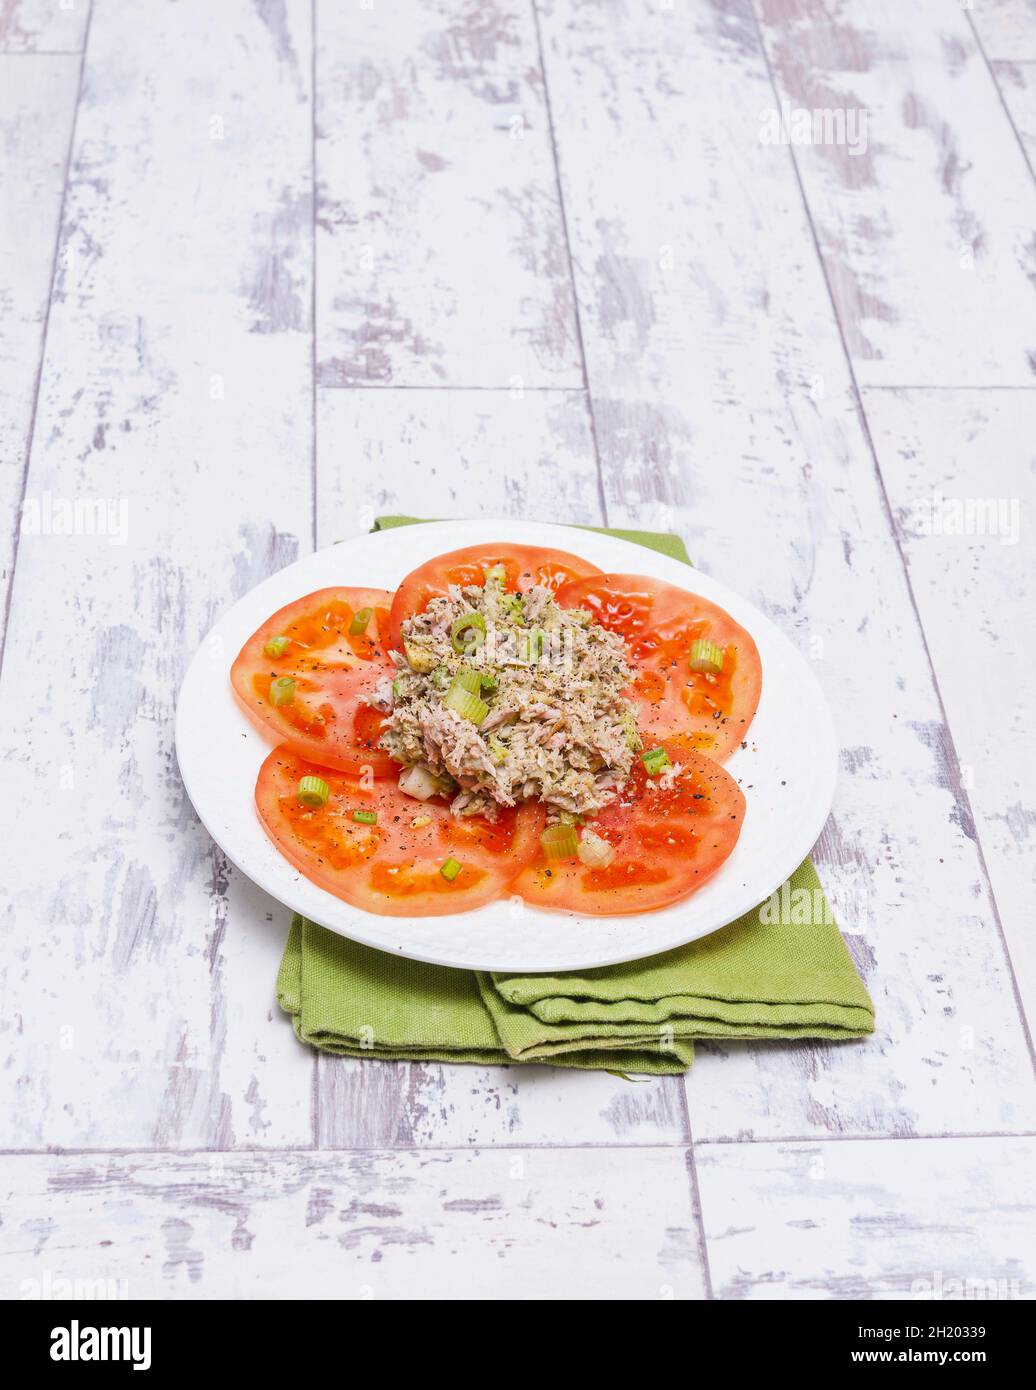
(557, 728)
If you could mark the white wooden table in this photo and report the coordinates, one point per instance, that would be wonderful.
(269, 269)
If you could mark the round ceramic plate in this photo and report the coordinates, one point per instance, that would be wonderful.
(787, 770)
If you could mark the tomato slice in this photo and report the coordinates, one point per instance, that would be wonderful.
(669, 840)
(328, 720)
(524, 566)
(659, 623)
(392, 867)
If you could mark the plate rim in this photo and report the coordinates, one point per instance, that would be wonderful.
(279, 884)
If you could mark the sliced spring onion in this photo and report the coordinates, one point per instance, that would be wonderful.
(496, 574)
(706, 656)
(656, 760)
(513, 605)
(450, 869)
(468, 629)
(442, 678)
(312, 792)
(366, 817)
(397, 689)
(282, 690)
(419, 659)
(358, 626)
(570, 818)
(474, 680)
(465, 703)
(595, 851)
(276, 646)
(560, 842)
(469, 679)
(419, 782)
(497, 749)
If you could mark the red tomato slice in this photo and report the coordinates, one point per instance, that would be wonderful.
(669, 840)
(524, 566)
(659, 623)
(392, 867)
(327, 721)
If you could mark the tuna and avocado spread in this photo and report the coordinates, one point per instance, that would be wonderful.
(500, 697)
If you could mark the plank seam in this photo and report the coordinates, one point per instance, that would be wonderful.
(31, 434)
(434, 386)
(695, 1189)
(314, 1075)
(848, 1138)
(999, 92)
(124, 1151)
(699, 1219)
(601, 498)
(930, 386)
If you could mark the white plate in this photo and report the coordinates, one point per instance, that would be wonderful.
(787, 771)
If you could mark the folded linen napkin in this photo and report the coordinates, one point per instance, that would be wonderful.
(766, 975)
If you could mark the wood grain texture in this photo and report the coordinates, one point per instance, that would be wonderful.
(1007, 28)
(944, 295)
(854, 1219)
(724, 408)
(177, 364)
(960, 469)
(559, 1223)
(440, 239)
(1017, 84)
(410, 1104)
(460, 152)
(37, 104)
(43, 26)
(524, 454)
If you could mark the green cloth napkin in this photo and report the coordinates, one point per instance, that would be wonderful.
(767, 975)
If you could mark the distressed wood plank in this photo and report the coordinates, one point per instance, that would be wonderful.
(926, 233)
(934, 1219)
(176, 385)
(518, 1224)
(37, 109)
(960, 469)
(440, 239)
(410, 1104)
(1017, 84)
(468, 453)
(723, 402)
(1007, 28)
(43, 26)
(453, 453)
